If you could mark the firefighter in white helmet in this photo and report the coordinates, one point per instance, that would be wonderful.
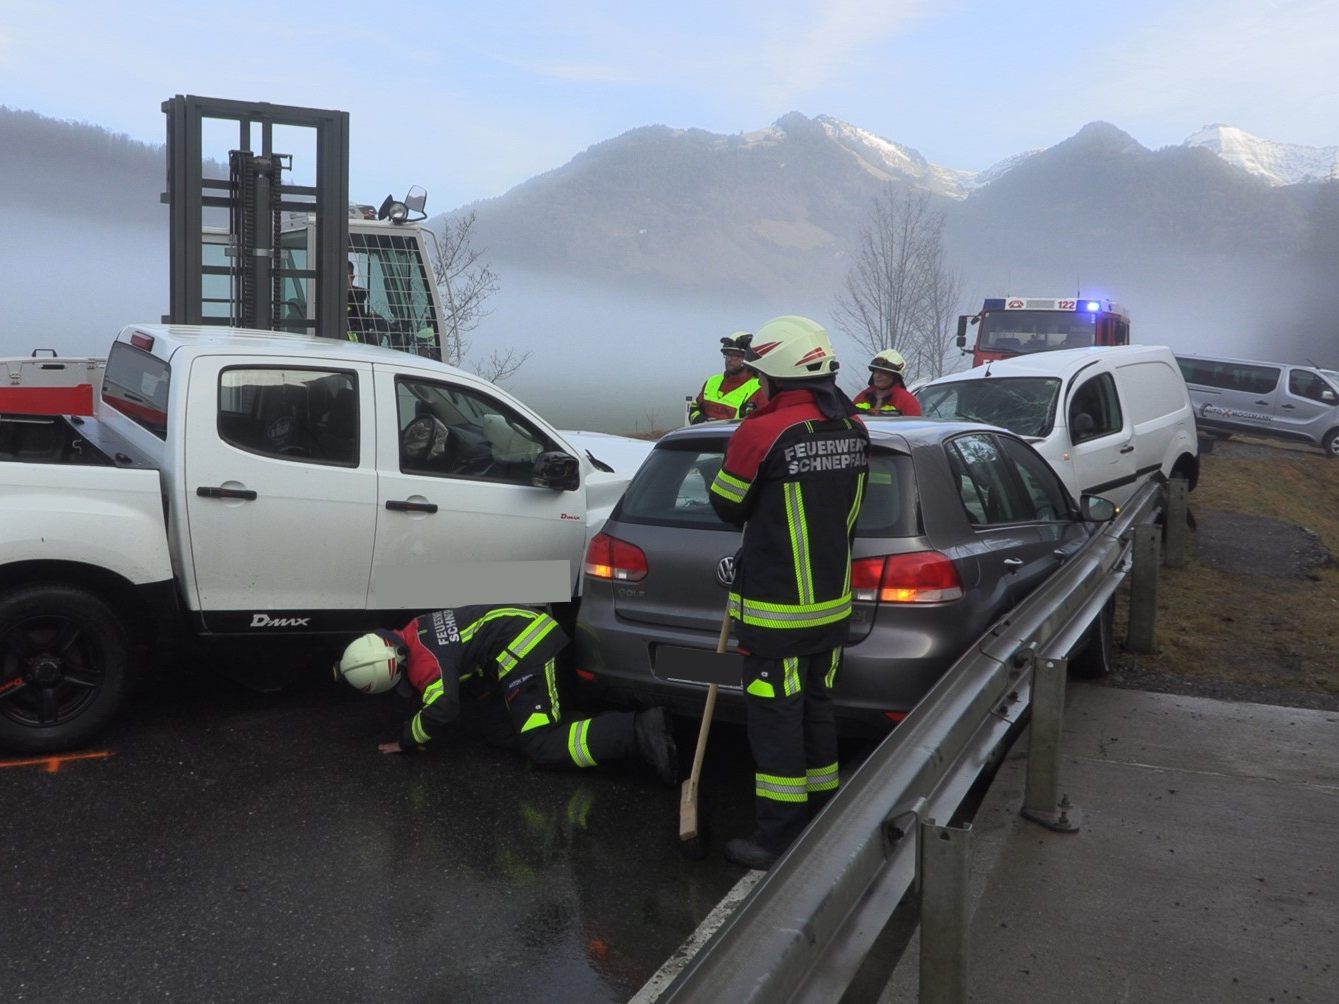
(887, 392)
(500, 664)
(793, 476)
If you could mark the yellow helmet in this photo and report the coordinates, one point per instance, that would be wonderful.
(889, 361)
(371, 663)
(791, 348)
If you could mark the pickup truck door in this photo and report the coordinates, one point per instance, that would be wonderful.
(458, 518)
(281, 492)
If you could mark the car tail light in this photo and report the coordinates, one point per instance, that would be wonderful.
(586, 675)
(919, 577)
(610, 558)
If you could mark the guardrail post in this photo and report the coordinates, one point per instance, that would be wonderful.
(1042, 802)
(945, 870)
(1143, 589)
(1177, 523)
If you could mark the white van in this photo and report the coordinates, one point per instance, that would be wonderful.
(1266, 399)
(1105, 418)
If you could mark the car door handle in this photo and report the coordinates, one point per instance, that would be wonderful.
(1290, 407)
(399, 505)
(1262, 402)
(1127, 449)
(245, 494)
(1013, 564)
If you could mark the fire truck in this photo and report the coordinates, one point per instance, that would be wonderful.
(1014, 325)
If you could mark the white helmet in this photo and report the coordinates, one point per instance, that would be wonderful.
(791, 348)
(889, 361)
(372, 663)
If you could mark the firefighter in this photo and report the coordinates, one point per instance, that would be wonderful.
(499, 663)
(887, 394)
(793, 477)
(730, 394)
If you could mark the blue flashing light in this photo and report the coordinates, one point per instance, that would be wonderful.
(1092, 306)
(993, 303)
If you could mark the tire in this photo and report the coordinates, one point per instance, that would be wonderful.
(1097, 657)
(1330, 444)
(70, 650)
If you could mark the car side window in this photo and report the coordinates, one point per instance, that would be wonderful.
(1304, 383)
(985, 484)
(452, 431)
(305, 415)
(1094, 410)
(1046, 493)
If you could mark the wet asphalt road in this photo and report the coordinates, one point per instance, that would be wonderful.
(220, 845)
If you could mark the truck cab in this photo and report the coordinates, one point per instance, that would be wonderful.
(1016, 325)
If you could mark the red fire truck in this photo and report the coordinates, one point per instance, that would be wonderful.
(1013, 325)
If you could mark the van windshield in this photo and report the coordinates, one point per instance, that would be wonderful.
(1023, 405)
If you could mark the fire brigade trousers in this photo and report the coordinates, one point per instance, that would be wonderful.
(794, 741)
(523, 714)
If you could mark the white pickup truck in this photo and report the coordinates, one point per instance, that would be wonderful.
(235, 483)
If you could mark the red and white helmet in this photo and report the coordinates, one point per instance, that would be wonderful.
(889, 361)
(372, 662)
(791, 348)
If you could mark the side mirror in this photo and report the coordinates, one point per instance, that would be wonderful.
(1097, 509)
(556, 470)
(1327, 396)
(962, 331)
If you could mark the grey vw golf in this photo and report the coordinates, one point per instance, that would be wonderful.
(960, 522)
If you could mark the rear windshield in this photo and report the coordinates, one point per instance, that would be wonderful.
(672, 488)
(135, 384)
(1023, 405)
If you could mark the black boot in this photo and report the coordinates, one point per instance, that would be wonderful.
(749, 853)
(655, 743)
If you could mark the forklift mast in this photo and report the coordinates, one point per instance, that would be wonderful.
(244, 287)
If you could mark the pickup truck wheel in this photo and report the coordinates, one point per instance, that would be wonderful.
(63, 667)
(1097, 657)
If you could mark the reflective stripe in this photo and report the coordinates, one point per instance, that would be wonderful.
(823, 778)
(790, 679)
(551, 680)
(524, 643)
(471, 629)
(854, 514)
(535, 721)
(729, 487)
(761, 613)
(576, 744)
(433, 691)
(798, 526)
(781, 789)
(417, 730)
(836, 661)
(761, 688)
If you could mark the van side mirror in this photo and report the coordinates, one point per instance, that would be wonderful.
(1327, 396)
(1097, 509)
(962, 331)
(557, 470)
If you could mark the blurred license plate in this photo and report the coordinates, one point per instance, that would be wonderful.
(698, 665)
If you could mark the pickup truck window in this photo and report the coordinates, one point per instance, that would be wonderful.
(308, 415)
(451, 431)
(135, 384)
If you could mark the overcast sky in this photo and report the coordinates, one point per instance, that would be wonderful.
(469, 99)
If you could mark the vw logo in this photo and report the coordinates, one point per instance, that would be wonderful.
(725, 571)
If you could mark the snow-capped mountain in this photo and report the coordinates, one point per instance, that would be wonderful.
(889, 161)
(1277, 163)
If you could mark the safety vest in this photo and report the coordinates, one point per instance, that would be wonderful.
(720, 403)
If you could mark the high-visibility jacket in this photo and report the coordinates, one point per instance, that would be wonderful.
(897, 401)
(723, 396)
(478, 648)
(797, 480)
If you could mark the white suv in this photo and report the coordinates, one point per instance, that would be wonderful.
(1105, 418)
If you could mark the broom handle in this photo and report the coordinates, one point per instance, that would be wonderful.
(700, 753)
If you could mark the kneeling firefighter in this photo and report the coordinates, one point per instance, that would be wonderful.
(499, 662)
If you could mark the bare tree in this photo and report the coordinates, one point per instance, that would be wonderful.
(466, 281)
(898, 294)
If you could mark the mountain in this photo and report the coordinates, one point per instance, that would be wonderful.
(1277, 163)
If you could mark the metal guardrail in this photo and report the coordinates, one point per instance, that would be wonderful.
(808, 925)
